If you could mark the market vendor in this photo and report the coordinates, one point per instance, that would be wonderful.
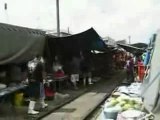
(36, 86)
(130, 69)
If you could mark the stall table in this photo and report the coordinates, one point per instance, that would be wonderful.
(11, 89)
(60, 81)
(57, 82)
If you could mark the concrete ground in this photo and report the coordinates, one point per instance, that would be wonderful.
(11, 112)
(75, 110)
(81, 107)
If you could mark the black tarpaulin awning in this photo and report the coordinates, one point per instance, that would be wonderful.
(132, 49)
(19, 44)
(140, 45)
(85, 41)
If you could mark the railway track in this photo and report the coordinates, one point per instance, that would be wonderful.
(88, 105)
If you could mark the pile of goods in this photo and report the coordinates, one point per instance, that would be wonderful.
(124, 103)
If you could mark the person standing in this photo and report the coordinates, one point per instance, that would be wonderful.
(130, 69)
(141, 69)
(86, 70)
(36, 85)
(75, 70)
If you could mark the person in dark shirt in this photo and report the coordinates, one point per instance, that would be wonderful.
(36, 86)
(86, 70)
(75, 70)
(38, 73)
(130, 69)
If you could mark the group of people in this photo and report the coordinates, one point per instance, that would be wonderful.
(78, 65)
(78, 68)
(135, 68)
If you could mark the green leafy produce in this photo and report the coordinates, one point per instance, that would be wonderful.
(138, 106)
(127, 106)
(121, 103)
(113, 102)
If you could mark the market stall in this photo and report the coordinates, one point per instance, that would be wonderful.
(140, 100)
(70, 47)
(84, 41)
(18, 46)
(125, 103)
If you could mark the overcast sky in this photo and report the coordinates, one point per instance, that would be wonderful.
(115, 18)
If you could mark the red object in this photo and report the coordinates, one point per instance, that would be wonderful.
(59, 73)
(141, 71)
(49, 92)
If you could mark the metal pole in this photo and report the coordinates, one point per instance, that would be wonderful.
(6, 12)
(68, 30)
(5, 6)
(129, 37)
(58, 20)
